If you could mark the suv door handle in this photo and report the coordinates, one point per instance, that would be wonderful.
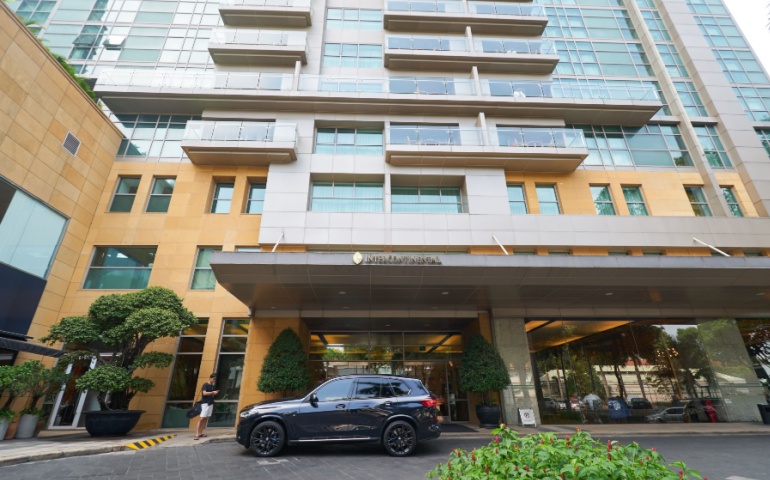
(388, 403)
(340, 406)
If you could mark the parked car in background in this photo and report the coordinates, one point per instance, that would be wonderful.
(562, 404)
(667, 415)
(550, 404)
(639, 403)
(396, 412)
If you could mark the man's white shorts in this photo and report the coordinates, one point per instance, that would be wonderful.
(206, 410)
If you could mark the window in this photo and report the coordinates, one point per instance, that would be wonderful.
(348, 141)
(635, 201)
(353, 19)
(223, 197)
(712, 146)
(548, 200)
(256, 198)
(602, 200)
(335, 391)
(346, 197)
(184, 377)
(373, 388)
(764, 137)
(152, 136)
(162, 188)
(732, 201)
(698, 201)
(120, 268)
(30, 231)
(248, 249)
(651, 145)
(350, 55)
(124, 194)
(232, 353)
(203, 276)
(516, 199)
(426, 200)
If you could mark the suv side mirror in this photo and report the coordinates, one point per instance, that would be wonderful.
(313, 398)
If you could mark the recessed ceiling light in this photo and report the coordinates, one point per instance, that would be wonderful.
(387, 324)
(343, 292)
(760, 294)
(272, 308)
(609, 294)
(345, 308)
(444, 293)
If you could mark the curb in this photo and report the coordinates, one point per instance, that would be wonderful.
(150, 442)
(56, 455)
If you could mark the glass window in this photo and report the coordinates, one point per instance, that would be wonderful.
(400, 388)
(120, 268)
(230, 361)
(203, 277)
(125, 193)
(426, 200)
(223, 197)
(162, 188)
(635, 201)
(602, 200)
(732, 201)
(184, 376)
(348, 141)
(516, 199)
(649, 145)
(548, 200)
(353, 19)
(698, 201)
(152, 136)
(256, 198)
(367, 387)
(30, 231)
(346, 197)
(350, 55)
(712, 146)
(335, 391)
(764, 137)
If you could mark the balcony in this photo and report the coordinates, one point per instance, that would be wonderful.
(404, 52)
(452, 16)
(181, 92)
(258, 47)
(520, 149)
(266, 13)
(240, 143)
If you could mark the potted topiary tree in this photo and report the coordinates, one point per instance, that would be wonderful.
(482, 371)
(6, 414)
(285, 367)
(116, 332)
(35, 381)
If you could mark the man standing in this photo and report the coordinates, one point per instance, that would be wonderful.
(207, 405)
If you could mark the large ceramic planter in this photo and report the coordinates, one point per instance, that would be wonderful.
(489, 416)
(27, 426)
(111, 423)
(4, 422)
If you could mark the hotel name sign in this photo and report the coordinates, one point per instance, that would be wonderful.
(369, 259)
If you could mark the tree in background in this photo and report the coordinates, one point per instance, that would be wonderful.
(285, 366)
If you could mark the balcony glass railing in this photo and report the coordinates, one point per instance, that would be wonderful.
(532, 89)
(431, 43)
(442, 135)
(259, 37)
(201, 80)
(501, 45)
(506, 8)
(438, 6)
(224, 131)
(265, 3)
(394, 85)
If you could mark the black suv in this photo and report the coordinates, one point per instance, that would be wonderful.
(396, 411)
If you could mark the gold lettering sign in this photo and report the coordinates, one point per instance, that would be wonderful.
(401, 260)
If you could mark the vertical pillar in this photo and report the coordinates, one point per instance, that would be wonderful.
(513, 345)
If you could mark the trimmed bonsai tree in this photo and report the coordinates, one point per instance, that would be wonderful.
(285, 367)
(116, 331)
(482, 370)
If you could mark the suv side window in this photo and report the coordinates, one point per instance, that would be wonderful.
(335, 391)
(370, 388)
(400, 388)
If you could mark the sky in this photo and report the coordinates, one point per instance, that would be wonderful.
(752, 17)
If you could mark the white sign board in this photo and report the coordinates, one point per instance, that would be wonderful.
(527, 417)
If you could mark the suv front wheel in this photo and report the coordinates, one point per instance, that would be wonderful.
(399, 439)
(267, 439)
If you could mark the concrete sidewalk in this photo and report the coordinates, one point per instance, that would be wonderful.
(52, 444)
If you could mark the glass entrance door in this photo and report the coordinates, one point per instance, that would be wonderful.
(70, 404)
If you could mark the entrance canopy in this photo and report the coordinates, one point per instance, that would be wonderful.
(394, 285)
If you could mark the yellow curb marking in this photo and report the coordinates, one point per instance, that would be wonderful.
(142, 444)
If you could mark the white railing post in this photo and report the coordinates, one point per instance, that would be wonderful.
(295, 78)
(476, 80)
(469, 36)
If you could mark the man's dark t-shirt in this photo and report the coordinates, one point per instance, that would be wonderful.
(207, 399)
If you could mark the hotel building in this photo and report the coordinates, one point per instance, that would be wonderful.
(586, 183)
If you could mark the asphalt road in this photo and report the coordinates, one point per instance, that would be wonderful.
(717, 457)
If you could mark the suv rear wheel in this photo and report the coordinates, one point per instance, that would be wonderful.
(399, 439)
(267, 439)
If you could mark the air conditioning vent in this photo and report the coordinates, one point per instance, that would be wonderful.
(71, 143)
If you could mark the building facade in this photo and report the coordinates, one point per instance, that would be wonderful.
(586, 183)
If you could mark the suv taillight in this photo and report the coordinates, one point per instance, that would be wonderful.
(431, 402)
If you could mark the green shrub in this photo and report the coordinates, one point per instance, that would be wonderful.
(285, 366)
(482, 370)
(543, 456)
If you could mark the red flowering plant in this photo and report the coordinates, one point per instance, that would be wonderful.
(543, 456)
